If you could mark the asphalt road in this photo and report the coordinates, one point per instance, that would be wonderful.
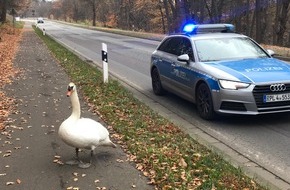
(257, 144)
(31, 151)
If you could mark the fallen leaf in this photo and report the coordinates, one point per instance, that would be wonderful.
(60, 162)
(75, 179)
(120, 161)
(182, 163)
(10, 183)
(7, 155)
(75, 174)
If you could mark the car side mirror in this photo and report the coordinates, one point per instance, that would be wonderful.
(183, 58)
(270, 52)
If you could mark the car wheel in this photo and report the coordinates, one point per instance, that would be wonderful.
(204, 102)
(156, 83)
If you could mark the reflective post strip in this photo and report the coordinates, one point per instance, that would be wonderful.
(43, 31)
(105, 62)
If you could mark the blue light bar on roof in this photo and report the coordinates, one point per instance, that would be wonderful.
(208, 28)
(188, 28)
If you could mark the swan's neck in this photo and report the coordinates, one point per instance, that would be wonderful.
(76, 108)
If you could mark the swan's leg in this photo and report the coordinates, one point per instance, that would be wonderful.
(86, 165)
(74, 161)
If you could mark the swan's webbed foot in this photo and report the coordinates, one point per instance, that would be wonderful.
(72, 162)
(78, 162)
(84, 165)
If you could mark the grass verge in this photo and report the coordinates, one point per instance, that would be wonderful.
(161, 151)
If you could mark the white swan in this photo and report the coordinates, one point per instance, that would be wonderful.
(82, 132)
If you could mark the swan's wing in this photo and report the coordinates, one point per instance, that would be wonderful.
(89, 127)
(85, 133)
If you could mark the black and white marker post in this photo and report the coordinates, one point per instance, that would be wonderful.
(105, 62)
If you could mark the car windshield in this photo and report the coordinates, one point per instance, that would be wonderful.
(219, 49)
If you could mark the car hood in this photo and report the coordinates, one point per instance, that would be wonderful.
(251, 70)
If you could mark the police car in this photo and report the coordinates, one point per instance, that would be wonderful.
(221, 72)
(40, 20)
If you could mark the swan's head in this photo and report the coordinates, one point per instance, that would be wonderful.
(70, 89)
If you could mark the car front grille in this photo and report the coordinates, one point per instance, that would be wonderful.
(233, 106)
(260, 90)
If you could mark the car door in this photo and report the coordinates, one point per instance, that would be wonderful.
(183, 73)
(165, 59)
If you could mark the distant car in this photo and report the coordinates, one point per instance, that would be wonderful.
(40, 20)
(221, 72)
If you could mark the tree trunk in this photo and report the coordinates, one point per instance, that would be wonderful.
(94, 12)
(288, 45)
(162, 17)
(282, 21)
(168, 16)
(248, 13)
(180, 15)
(209, 11)
(3, 6)
(75, 11)
(258, 21)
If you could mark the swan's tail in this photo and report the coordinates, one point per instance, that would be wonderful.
(108, 142)
(113, 145)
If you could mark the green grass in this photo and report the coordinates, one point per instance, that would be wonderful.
(161, 151)
(9, 21)
(19, 24)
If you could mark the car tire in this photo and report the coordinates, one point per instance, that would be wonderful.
(156, 83)
(204, 102)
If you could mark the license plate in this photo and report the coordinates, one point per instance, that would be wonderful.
(277, 97)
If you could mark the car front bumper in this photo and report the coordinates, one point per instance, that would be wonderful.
(248, 101)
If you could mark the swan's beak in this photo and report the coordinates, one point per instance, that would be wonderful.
(68, 93)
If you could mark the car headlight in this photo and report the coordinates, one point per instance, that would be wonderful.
(233, 85)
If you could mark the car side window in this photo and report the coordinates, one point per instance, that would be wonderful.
(186, 48)
(177, 46)
(170, 45)
(163, 46)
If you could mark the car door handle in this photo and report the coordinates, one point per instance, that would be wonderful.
(174, 65)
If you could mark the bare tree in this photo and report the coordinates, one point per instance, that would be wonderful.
(282, 10)
(254, 18)
(92, 5)
(12, 6)
(3, 10)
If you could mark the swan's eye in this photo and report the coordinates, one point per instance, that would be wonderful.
(70, 88)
